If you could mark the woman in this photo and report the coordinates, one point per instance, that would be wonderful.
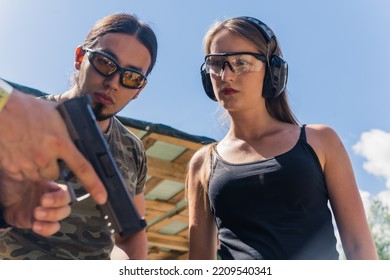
(262, 192)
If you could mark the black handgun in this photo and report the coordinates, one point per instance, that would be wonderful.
(119, 211)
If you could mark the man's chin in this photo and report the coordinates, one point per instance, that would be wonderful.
(102, 117)
(98, 111)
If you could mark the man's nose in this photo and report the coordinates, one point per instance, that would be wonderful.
(113, 81)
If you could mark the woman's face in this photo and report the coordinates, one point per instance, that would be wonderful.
(236, 89)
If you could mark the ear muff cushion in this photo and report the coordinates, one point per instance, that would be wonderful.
(206, 82)
(268, 90)
(279, 73)
(275, 79)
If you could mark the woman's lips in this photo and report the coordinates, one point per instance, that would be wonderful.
(228, 91)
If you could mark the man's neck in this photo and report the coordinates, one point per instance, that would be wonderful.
(104, 125)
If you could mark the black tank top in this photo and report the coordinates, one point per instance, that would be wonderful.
(273, 209)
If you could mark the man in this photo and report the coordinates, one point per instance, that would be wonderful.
(112, 65)
(31, 142)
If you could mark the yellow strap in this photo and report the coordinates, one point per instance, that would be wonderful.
(5, 93)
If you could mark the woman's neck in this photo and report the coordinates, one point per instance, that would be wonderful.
(249, 125)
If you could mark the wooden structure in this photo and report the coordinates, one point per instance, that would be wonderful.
(168, 151)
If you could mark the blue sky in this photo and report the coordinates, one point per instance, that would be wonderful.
(337, 53)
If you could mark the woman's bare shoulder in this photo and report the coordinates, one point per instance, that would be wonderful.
(200, 155)
(321, 132)
(324, 139)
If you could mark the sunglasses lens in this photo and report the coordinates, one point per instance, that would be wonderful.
(133, 80)
(102, 64)
(107, 66)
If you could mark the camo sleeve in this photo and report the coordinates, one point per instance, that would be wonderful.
(129, 154)
(142, 172)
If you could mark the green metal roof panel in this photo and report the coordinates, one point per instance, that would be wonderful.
(165, 190)
(165, 151)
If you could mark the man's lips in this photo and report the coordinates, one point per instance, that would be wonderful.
(104, 99)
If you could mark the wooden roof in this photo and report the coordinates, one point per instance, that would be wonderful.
(168, 153)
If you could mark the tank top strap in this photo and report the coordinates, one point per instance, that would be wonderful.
(302, 136)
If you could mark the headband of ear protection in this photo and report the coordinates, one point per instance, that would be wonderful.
(275, 78)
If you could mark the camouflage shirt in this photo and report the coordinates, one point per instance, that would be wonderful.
(84, 234)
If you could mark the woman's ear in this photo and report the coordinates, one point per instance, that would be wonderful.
(79, 55)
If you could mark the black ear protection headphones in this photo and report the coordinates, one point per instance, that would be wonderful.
(275, 78)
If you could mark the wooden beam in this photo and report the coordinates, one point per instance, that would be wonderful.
(148, 142)
(155, 254)
(184, 157)
(173, 242)
(178, 197)
(152, 183)
(152, 214)
(166, 170)
(176, 141)
(166, 221)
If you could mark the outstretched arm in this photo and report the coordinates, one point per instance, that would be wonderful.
(33, 137)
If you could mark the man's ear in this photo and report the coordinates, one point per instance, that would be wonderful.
(79, 55)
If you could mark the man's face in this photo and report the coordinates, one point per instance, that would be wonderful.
(108, 95)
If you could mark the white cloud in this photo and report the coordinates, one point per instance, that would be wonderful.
(384, 196)
(374, 145)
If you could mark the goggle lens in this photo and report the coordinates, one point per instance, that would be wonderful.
(238, 63)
